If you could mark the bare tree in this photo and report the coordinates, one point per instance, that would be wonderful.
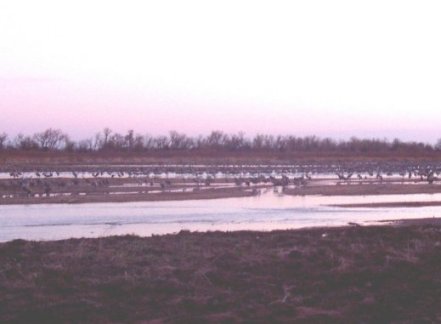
(162, 142)
(138, 142)
(117, 141)
(180, 141)
(23, 142)
(85, 145)
(216, 139)
(258, 141)
(237, 141)
(149, 142)
(97, 142)
(438, 145)
(69, 145)
(3, 139)
(55, 139)
(129, 139)
(106, 135)
(50, 139)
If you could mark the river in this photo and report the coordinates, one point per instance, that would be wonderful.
(268, 211)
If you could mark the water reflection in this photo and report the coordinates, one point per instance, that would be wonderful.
(269, 211)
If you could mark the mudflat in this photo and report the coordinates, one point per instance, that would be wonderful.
(347, 274)
(358, 188)
(394, 204)
(139, 195)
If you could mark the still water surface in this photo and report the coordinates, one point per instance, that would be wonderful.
(268, 211)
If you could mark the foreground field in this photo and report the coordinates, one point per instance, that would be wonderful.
(350, 274)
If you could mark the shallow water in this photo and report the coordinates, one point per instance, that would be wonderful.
(268, 211)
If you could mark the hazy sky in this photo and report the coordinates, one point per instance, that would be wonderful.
(329, 68)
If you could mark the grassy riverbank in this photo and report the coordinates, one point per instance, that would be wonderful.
(350, 274)
(55, 159)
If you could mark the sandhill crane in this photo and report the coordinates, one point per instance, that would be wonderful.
(25, 187)
(341, 176)
(285, 180)
(238, 181)
(208, 181)
(431, 177)
(47, 189)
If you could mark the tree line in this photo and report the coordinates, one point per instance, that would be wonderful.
(108, 140)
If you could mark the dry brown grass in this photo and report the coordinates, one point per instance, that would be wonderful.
(367, 275)
(35, 158)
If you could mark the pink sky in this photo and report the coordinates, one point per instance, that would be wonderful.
(281, 67)
(33, 105)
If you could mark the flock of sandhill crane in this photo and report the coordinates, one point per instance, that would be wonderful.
(429, 175)
(44, 181)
